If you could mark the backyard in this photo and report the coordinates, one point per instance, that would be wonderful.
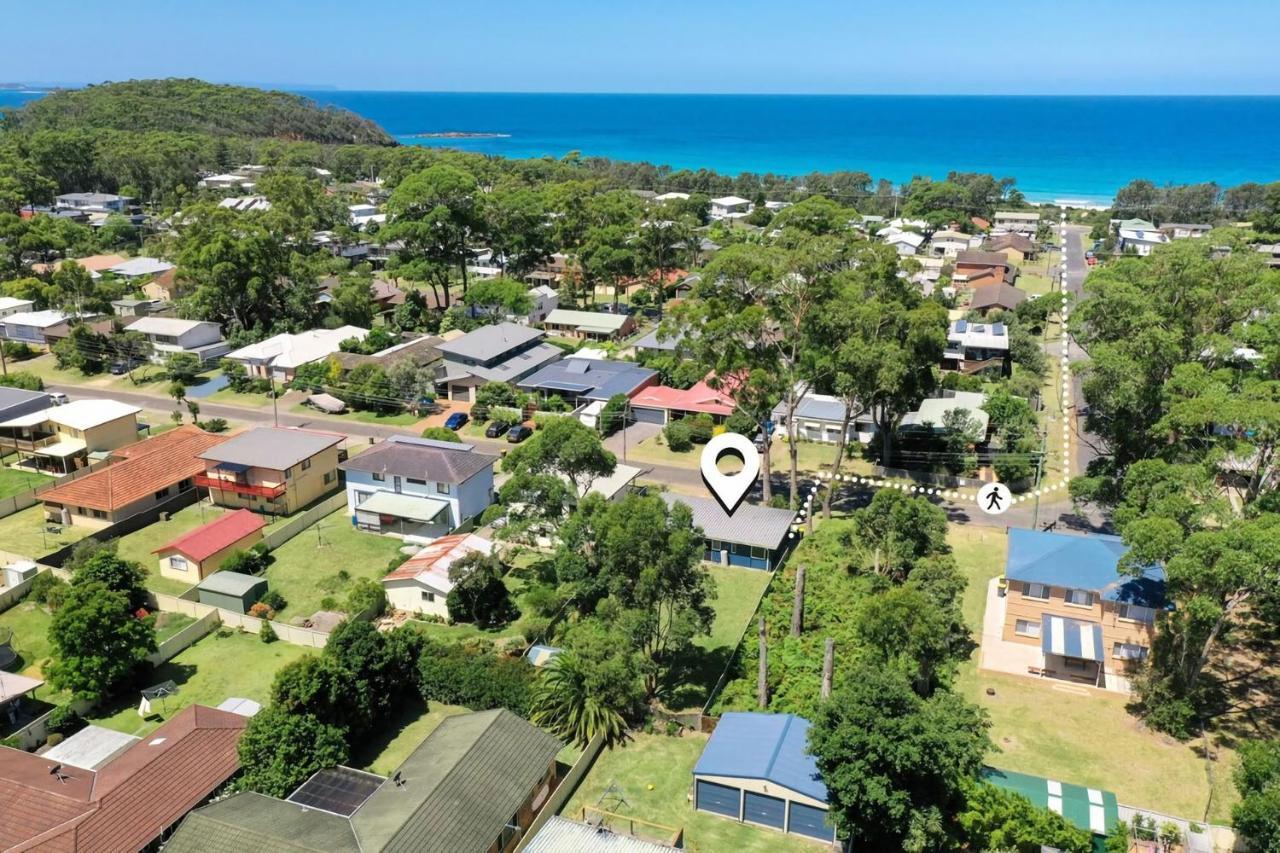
(139, 545)
(385, 750)
(29, 622)
(224, 664)
(1054, 730)
(651, 777)
(15, 481)
(317, 566)
(27, 534)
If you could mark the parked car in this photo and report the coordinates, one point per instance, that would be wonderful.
(119, 368)
(456, 421)
(496, 428)
(57, 397)
(519, 433)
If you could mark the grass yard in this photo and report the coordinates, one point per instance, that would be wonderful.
(1079, 735)
(224, 664)
(29, 622)
(321, 561)
(654, 774)
(24, 533)
(738, 591)
(14, 481)
(382, 752)
(138, 546)
(1036, 277)
(227, 397)
(379, 418)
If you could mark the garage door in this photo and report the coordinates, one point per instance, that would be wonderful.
(811, 821)
(720, 799)
(761, 808)
(648, 416)
(460, 392)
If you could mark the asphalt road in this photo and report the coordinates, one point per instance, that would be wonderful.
(1054, 509)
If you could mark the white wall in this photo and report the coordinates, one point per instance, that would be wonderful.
(466, 500)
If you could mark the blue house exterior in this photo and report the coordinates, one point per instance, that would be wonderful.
(756, 769)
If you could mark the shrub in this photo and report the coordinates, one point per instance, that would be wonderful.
(479, 680)
(367, 598)
(267, 634)
(260, 610)
(24, 380)
(215, 425)
(479, 413)
(700, 427)
(506, 413)
(42, 585)
(534, 628)
(18, 351)
(439, 433)
(613, 414)
(53, 740)
(63, 720)
(328, 603)
(274, 600)
(679, 437)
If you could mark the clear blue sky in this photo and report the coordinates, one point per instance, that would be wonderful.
(816, 46)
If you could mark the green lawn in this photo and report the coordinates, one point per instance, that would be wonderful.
(227, 397)
(224, 664)
(1068, 733)
(393, 419)
(322, 560)
(148, 378)
(14, 481)
(653, 774)
(1036, 277)
(24, 533)
(29, 622)
(140, 544)
(169, 624)
(737, 593)
(385, 750)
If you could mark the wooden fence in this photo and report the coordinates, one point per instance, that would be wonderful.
(566, 789)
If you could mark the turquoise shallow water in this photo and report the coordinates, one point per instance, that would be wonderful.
(1056, 147)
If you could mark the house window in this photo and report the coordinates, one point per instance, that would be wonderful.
(162, 494)
(306, 463)
(379, 478)
(416, 482)
(329, 477)
(1026, 628)
(97, 513)
(1036, 590)
(1074, 663)
(428, 596)
(1128, 651)
(1137, 613)
(288, 472)
(1080, 597)
(178, 563)
(442, 488)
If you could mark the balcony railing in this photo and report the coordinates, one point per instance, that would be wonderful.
(226, 484)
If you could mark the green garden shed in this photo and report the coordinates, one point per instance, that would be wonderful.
(231, 590)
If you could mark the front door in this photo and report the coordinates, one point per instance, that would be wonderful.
(395, 484)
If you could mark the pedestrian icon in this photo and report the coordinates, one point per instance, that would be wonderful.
(994, 498)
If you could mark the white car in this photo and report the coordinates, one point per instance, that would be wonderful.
(57, 397)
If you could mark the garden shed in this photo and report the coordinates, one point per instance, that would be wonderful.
(756, 769)
(231, 590)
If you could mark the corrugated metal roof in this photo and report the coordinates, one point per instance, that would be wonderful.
(759, 526)
(1091, 809)
(208, 539)
(763, 746)
(1081, 562)
(231, 583)
(559, 835)
(413, 507)
(1071, 638)
(249, 821)
(273, 448)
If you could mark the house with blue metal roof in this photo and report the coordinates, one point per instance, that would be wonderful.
(1070, 595)
(588, 380)
(757, 769)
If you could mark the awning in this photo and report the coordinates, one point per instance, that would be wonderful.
(13, 686)
(28, 420)
(1072, 639)
(556, 385)
(411, 507)
(62, 449)
(233, 467)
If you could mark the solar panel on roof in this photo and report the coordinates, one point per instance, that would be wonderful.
(338, 790)
(997, 329)
(577, 366)
(962, 325)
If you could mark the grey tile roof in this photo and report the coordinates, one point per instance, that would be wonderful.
(593, 378)
(460, 786)
(760, 526)
(489, 342)
(560, 835)
(249, 822)
(422, 459)
(274, 448)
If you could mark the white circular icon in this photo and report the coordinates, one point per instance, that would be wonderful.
(994, 498)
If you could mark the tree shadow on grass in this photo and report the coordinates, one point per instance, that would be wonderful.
(692, 676)
(375, 742)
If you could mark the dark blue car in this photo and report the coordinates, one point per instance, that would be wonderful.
(456, 421)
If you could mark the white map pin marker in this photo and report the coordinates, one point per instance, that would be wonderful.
(730, 489)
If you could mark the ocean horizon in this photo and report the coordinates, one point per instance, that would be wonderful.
(1057, 147)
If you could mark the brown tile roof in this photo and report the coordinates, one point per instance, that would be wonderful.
(147, 467)
(93, 263)
(1012, 241)
(996, 296)
(129, 802)
(976, 258)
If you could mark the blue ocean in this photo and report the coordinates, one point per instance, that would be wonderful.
(1079, 148)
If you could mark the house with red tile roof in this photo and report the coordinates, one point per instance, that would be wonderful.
(195, 555)
(146, 473)
(127, 804)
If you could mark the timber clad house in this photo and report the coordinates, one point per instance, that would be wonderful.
(754, 537)
(1067, 596)
(61, 439)
(274, 470)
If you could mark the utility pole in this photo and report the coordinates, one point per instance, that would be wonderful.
(1035, 513)
(828, 667)
(762, 674)
(797, 608)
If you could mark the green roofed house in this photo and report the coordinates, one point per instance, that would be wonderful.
(1086, 808)
(473, 786)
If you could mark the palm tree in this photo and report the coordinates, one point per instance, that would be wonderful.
(564, 705)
